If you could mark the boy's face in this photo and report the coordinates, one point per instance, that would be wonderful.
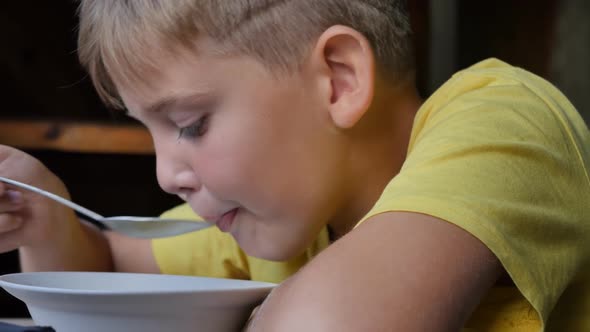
(259, 155)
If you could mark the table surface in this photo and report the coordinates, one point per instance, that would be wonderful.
(18, 321)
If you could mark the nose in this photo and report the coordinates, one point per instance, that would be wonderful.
(174, 172)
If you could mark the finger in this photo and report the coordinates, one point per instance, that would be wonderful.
(9, 222)
(11, 201)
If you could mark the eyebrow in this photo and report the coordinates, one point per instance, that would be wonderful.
(175, 101)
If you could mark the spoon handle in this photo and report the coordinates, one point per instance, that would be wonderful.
(59, 199)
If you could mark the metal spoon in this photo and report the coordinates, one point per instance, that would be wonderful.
(140, 227)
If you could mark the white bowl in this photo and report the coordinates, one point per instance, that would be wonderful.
(102, 301)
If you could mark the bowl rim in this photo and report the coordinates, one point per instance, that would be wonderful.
(7, 284)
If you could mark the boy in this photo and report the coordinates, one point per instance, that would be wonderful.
(296, 127)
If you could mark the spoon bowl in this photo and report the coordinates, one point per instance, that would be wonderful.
(152, 227)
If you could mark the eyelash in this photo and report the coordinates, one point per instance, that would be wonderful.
(195, 130)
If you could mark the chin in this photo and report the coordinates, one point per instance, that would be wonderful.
(271, 250)
(276, 242)
(269, 253)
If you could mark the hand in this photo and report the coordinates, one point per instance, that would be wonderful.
(28, 219)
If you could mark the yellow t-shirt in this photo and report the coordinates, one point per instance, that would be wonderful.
(502, 154)
(498, 152)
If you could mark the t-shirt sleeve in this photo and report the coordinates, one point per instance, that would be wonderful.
(493, 158)
(208, 252)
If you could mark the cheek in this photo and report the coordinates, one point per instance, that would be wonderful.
(223, 165)
(258, 149)
(240, 165)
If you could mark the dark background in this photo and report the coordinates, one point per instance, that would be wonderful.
(40, 79)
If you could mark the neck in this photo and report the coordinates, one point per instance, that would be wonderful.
(378, 151)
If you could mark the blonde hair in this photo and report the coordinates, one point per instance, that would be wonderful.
(119, 39)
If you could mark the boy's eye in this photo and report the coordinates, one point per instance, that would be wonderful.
(194, 130)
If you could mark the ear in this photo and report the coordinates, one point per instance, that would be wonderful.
(348, 62)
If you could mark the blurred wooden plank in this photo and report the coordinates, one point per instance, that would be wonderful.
(76, 136)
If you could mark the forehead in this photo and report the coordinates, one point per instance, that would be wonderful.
(187, 77)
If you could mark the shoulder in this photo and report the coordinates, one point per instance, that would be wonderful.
(495, 85)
